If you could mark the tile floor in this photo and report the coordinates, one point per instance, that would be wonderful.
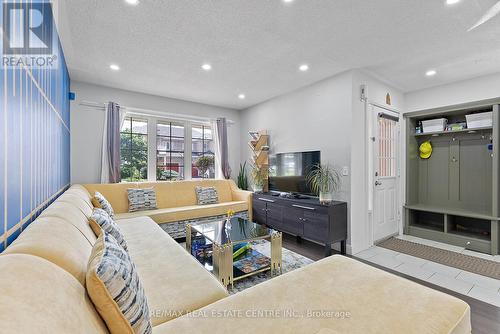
(476, 286)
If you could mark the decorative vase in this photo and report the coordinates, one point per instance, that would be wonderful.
(325, 198)
(257, 188)
(227, 225)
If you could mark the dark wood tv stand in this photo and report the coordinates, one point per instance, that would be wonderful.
(305, 218)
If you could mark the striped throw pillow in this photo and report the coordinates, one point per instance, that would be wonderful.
(141, 199)
(114, 287)
(100, 221)
(99, 201)
(206, 195)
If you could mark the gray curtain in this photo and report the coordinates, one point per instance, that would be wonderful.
(110, 172)
(223, 150)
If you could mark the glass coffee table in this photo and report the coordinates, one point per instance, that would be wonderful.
(214, 243)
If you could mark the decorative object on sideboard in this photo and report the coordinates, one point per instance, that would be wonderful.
(259, 144)
(242, 177)
(324, 180)
(259, 176)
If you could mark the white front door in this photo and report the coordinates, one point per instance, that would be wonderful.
(386, 173)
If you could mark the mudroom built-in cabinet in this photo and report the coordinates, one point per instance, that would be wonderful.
(453, 195)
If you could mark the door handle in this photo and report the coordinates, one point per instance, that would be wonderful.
(378, 183)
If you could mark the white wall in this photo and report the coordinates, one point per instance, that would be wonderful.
(87, 125)
(317, 117)
(481, 88)
(312, 118)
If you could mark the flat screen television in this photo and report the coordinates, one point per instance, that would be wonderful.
(288, 171)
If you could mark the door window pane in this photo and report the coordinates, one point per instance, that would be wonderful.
(387, 147)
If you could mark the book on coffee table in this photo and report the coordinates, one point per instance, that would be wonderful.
(252, 261)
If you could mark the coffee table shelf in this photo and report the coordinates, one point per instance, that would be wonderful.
(221, 236)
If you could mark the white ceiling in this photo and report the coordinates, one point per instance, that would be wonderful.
(256, 46)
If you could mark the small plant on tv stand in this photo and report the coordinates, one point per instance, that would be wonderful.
(324, 180)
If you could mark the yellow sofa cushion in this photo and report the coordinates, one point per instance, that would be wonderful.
(161, 262)
(169, 215)
(115, 288)
(368, 300)
(57, 241)
(39, 297)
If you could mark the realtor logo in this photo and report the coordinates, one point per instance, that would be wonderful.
(28, 30)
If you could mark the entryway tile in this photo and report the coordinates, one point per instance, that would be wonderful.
(411, 259)
(373, 251)
(481, 281)
(386, 260)
(450, 283)
(414, 270)
(441, 269)
(485, 295)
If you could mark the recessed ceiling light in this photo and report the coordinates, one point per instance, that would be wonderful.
(114, 67)
(241, 96)
(287, 1)
(431, 73)
(452, 2)
(206, 67)
(132, 2)
(304, 67)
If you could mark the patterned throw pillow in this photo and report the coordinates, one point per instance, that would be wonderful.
(141, 199)
(206, 195)
(99, 201)
(115, 289)
(100, 221)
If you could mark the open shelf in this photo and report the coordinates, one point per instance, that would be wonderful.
(470, 227)
(452, 211)
(438, 133)
(427, 220)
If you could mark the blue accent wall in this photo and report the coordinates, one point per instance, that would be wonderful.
(34, 141)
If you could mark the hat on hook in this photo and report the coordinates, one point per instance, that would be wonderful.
(425, 150)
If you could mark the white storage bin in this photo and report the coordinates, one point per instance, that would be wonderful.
(481, 120)
(434, 125)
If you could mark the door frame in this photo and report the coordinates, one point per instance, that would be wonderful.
(370, 168)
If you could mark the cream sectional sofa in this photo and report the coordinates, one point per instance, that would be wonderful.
(42, 287)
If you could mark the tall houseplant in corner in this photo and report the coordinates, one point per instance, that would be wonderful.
(242, 177)
(324, 180)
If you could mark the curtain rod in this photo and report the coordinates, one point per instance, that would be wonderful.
(150, 112)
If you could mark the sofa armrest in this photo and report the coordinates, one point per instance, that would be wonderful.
(242, 195)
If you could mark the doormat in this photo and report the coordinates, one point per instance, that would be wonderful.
(468, 263)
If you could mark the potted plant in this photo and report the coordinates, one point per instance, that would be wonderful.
(324, 180)
(259, 176)
(242, 177)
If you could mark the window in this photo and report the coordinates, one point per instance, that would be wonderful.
(169, 151)
(387, 147)
(134, 150)
(203, 153)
